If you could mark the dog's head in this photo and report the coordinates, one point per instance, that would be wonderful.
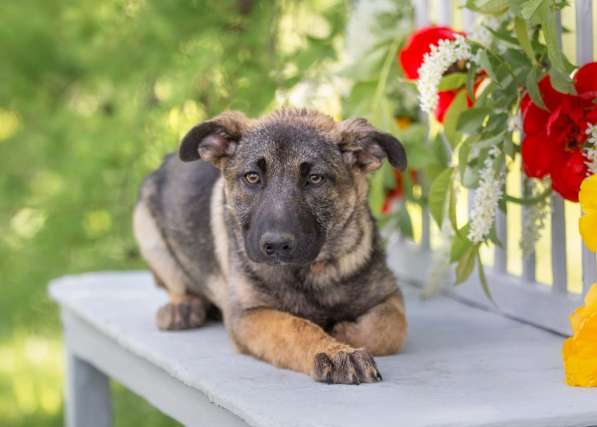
(294, 178)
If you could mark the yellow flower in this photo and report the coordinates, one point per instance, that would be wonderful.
(580, 350)
(588, 202)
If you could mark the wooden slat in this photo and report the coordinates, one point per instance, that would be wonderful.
(501, 256)
(425, 229)
(584, 31)
(528, 262)
(444, 12)
(421, 12)
(421, 19)
(589, 269)
(558, 226)
(584, 54)
(558, 245)
(468, 18)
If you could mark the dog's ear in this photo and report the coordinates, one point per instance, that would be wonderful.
(365, 147)
(214, 139)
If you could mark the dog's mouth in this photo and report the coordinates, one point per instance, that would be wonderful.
(281, 262)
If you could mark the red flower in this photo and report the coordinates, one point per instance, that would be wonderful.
(411, 58)
(568, 175)
(555, 137)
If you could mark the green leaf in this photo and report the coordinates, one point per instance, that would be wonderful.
(471, 79)
(471, 120)
(488, 66)
(470, 178)
(561, 81)
(483, 279)
(389, 177)
(493, 238)
(530, 7)
(466, 264)
(488, 141)
(464, 152)
(532, 85)
(452, 208)
(451, 118)
(452, 81)
(438, 194)
(404, 222)
(490, 7)
(558, 70)
(367, 67)
(440, 151)
(522, 33)
(376, 192)
(460, 244)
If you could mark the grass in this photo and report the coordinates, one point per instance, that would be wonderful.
(31, 377)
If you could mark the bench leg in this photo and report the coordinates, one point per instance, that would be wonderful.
(87, 395)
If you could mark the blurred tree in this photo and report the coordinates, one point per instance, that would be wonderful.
(93, 94)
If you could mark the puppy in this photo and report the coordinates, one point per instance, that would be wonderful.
(266, 222)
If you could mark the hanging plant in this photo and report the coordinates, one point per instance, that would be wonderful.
(511, 66)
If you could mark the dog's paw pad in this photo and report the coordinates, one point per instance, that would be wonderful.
(346, 367)
(185, 315)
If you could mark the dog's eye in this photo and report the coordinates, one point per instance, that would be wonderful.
(315, 178)
(252, 178)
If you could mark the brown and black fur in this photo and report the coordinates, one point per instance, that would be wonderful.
(267, 221)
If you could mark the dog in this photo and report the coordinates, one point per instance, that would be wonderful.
(266, 223)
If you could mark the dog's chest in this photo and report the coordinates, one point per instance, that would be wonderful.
(323, 305)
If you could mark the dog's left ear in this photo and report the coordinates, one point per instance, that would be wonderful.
(214, 139)
(365, 147)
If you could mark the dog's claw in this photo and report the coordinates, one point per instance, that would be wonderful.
(346, 367)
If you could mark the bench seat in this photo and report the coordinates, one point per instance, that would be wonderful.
(461, 366)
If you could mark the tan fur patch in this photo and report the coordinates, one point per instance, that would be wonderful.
(382, 330)
(155, 251)
(283, 340)
(234, 122)
(311, 118)
(345, 263)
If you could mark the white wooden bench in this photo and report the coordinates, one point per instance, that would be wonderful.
(461, 366)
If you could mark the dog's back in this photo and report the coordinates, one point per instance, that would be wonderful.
(172, 223)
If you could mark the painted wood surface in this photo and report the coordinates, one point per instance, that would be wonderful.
(87, 394)
(520, 299)
(461, 366)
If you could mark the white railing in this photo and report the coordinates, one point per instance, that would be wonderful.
(517, 294)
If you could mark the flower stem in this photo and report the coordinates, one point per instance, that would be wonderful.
(530, 200)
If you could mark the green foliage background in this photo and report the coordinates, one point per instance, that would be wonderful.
(92, 95)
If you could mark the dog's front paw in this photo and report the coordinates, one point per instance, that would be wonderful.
(184, 315)
(346, 332)
(352, 366)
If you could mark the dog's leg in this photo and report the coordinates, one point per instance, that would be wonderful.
(182, 312)
(291, 342)
(185, 310)
(381, 330)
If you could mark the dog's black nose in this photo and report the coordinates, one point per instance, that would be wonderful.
(275, 244)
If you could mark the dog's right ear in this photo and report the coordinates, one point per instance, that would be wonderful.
(214, 139)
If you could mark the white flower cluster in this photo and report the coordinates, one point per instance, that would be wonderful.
(534, 217)
(435, 63)
(591, 148)
(487, 197)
